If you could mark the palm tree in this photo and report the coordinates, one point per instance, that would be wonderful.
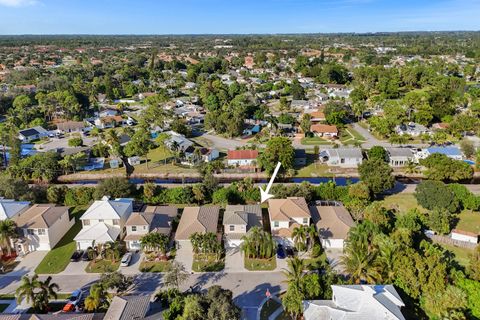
(47, 290)
(155, 241)
(112, 250)
(299, 235)
(258, 244)
(411, 167)
(27, 288)
(94, 300)
(8, 230)
(294, 273)
(312, 235)
(360, 265)
(195, 239)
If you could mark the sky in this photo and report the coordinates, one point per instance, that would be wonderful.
(235, 16)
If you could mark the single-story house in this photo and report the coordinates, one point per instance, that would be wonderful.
(324, 130)
(177, 141)
(242, 157)
(153, 219)
(202, 155)
(399, 157)
(333, 222)
(31, 134)
(356, 302)
(128, 308)
(285, 215)
(238, 220)
(412, 129)
(196, 219)
(108, 122)
(342, 157)
(70, 126)
(452, 152)
(317, 116)
(10, 208)
(466, 236)
(42, 226)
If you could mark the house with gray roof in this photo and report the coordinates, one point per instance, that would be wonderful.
(177, 141)
(202, 219)
(10, 208)
(31, 134)
(238, 220)
(356, 302)
(342, 157)
(128, 308)
(399, 157)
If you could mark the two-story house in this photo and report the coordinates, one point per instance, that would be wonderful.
(41, 227)
(153, 219)
(104, 221)
(196, 220)
(238, 220)
(287, 214)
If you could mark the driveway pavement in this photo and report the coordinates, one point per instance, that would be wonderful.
(333, 257)
(234, 260)
(28, 263)
(76, 268)
(134, 264)
(184, 255)
(54, 143)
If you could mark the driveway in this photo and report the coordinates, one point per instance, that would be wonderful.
(334, 257)
(234, 260)
(75, 268)
(28, 263)
(184, 254)
(137, 258)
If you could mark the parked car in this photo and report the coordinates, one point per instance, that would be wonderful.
(76, 256)
(73, 301)
(85, 256)
(126, 259)
(281, 252)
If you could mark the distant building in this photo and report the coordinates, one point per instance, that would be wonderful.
(451, 152)
(356, 302)
(412, 129)
(70, 126)
(465, 236)
(31, 134)
(242, 157)
(342, 157)
(399, 157)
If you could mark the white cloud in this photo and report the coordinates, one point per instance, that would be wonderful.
(17, 3)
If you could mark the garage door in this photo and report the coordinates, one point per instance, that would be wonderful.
(83, 245)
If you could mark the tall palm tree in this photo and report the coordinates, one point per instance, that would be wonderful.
(27, 288)
(112, 250)
(312, 235)
(299, 235)
(8, 230)
(360, 265)
(48, 290)
(294, 273)
(94, 300)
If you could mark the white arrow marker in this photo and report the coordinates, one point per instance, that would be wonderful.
(265, 195)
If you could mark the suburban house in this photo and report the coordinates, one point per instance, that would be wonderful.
(10, 208)
(104, 221)
(196, 219)
(333, 222)
(465, 236)
(42, 226)
(287, 214)
(128, 308)
(31, 134)
(452, 152)
(317, 116)
(242, 158)
(356, 302)
(108, 122)
(177, 142)
(412, 129)
(324, 130)
(238, 220)
(193, 157)
(342, 157)
(399, 157)
(153, 219)
(70, 126)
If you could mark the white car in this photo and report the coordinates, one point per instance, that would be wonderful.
(126, 259)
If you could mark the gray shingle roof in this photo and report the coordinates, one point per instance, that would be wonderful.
(128, 308)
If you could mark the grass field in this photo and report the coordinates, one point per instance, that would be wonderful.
(260, 264)
(102, 266)
(349, 136)
(206, 263)
(402, 202)
(311, 141)
(154, 266)
(469, 221)
(58, 258)
(462, 255)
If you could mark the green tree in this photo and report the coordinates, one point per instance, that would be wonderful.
(279, 149)
(432, 194)
(175, 275)
(468, 148)
(377, 152)
(114, 187)
(8, 231)
(377, 175)
(440, 220)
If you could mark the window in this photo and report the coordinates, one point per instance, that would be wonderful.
(116, 222)
(276, 224)
(100, 220)
(134, 228)
(30, 232)
(232, 228)
(41, 232)
(144, 227)
(305, 220)
(342, 160)
(86, 222)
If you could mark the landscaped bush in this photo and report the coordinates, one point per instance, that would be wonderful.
(75, 142)
(79, 196)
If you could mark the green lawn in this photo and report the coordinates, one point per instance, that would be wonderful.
(160, 153)
(260, 264)
(314, 170)
(469, 221)
(154, 266)
(462, 255)
(402, 202)
(58, 258)
(206, 263)
(102, 266)
(314, 141)
(349, 136)
(268, 308)
(3, 306)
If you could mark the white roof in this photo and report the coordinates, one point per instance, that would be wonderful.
(99, 232)
(357, 302)
(108, 209)
(10, 208)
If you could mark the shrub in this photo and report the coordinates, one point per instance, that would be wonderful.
(75, 142)
(435, 194)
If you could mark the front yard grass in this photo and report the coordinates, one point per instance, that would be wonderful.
(206, 262)
(311, 141)
(58, 258)
(102, 266)
(154, 266)
(402, 202)
(260, 264)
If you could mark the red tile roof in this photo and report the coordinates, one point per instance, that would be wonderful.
(242, 154)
